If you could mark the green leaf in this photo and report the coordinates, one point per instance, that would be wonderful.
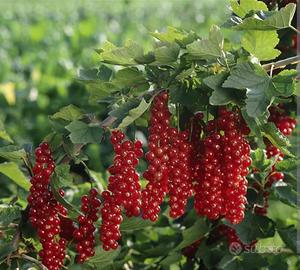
(245, 6)
(194, 233)
(289, 237)
(166, 54)
(55, 184)
(287, 164)
(121, 111)
(124, 56)
(254, 125)
(221, 95)
(100, 90)
(9, 214)
(273, 134)
(134, 114)
(255, 43)
(285, 82)
(12, 153)
(253, 227)
(260, 89)
(175, 35)
(260, 160)
(12, 171)
(210, 48)
(96, 81)
(68, 113)
(3, 133)
(63, 175)
(194, 99)
(5, 250)
(103, 73)
(104, 257)
(134, 223)
(285, 193)
(267, 21)
(172, 258)
(83, 133)
(130, 77)
(229, 261)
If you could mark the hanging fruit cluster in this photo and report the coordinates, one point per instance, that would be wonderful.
(209, 161)
(285, 124)
(45, 211)
(123, 189)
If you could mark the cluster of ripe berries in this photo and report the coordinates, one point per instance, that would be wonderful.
(286, 124)
(45, 211)
(84, 234)
(214, 168)
(124, 189)
(224, 158)
(168, 158)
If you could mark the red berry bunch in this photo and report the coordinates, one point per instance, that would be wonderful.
(169, 164)
(286, 124)
(111, 220)
(180, 185)
(221, 183)
(283, 122)
(236, 155)
(45, 211)
(208, 200)
(158, 158)
(124, 180)
(84, 235)
(124, 189)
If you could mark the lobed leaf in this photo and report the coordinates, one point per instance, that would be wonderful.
(13, 172)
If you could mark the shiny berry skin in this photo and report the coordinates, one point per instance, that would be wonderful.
(46, 214)
(124, 189)
(84, 234)
(219, 174)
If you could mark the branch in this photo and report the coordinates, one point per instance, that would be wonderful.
(282, 63)
(33, 260)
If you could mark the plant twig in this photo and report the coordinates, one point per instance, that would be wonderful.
(33, 260)
(282, 63)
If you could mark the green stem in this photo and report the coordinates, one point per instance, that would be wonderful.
(295, 29)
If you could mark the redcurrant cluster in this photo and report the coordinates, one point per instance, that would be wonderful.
(221, 185)
(45, 211)
(124, 189)
(236, 154)
(286, 125)
(208, 200)
(111, 219)
(84, 235)
(158, 157)
(180, 185)
(169, 163)
(283, 122)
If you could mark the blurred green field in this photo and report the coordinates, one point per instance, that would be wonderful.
(43, 43)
